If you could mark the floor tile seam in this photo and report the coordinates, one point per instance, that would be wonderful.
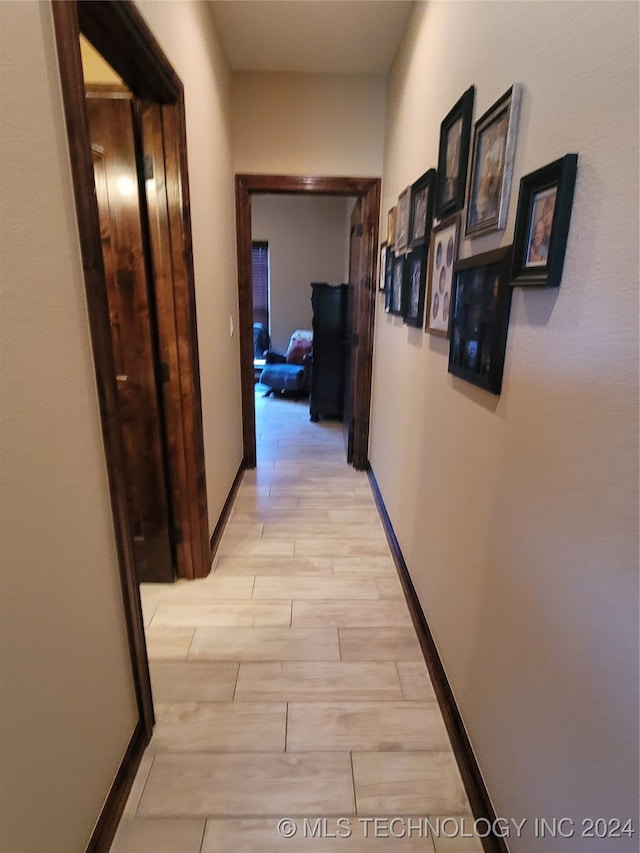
(146, 779)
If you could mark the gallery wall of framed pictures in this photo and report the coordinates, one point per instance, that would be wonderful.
(467, 301)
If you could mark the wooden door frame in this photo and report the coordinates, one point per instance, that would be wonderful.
(368, 189)
(120, 34)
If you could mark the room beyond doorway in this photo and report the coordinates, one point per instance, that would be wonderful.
(368, 189)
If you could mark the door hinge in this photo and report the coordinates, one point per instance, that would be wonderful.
(358, 230)
(148, 167)
(175, 535)
(162, 371)
(355, 340)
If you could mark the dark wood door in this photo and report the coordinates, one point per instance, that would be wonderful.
(351, 341)
(132, 318)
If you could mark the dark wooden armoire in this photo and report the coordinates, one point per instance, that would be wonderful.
(326, 396)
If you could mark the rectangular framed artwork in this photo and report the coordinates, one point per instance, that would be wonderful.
(481, 301)
(443, 253)
(453, 156)
(494, 146)
(421, 217)
(402, 223)
(382, 266)
(415, 280)
(542, 223)
(397, 286)
(392, 218)
(388, 280)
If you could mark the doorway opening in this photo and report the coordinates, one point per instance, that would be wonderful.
(366, 191)
(152, 108)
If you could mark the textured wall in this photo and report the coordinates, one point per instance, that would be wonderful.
(518, 517)
(68, 704)
(308, 124)
(306, 236)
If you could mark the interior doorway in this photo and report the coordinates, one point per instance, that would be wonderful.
(118, 32)
(367, 191)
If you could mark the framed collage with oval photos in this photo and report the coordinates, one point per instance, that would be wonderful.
(542, 223)
(443, 253)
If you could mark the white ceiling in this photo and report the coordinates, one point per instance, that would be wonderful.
(311, 36)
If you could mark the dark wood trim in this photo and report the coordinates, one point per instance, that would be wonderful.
(364, 297)
(216, 536)
(107, 824)
(67, 37)
(120, 34)
(479, 799)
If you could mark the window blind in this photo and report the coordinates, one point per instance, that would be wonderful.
(260, 282)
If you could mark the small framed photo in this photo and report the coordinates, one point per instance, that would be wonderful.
(494, 148)
(453, 156)
(422, 194)
(443, 253)
(481, 301)
(397, 286)
(542, 223)
(388, 280)
(415, 271)
(382, 268)
(392, 218)
(402, 226)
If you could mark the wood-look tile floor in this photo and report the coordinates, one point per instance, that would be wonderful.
(290, 682)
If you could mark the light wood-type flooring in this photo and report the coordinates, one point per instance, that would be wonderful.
(290, 684)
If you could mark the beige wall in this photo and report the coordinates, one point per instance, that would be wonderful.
(518, 516)
(68, 704)
(186, 33)
(308, 124)
(306, 236)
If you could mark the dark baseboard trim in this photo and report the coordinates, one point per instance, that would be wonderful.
(216, 536)
(107, 823)
(479, 799)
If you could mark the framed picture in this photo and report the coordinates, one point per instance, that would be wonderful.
(382, 268)
(443, 253)
(422, 193)
(453, 156)
(402, 224)
(392, 217)
(481, 300)
(494, 147)
(397, 286)
(415, 273)
(388, 280)
(542, 223)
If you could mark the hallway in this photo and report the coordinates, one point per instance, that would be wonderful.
(290, 682)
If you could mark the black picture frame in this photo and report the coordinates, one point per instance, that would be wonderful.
(388, 281)
(443, 253)
(545, 201)
(494, 148)
(396, 304)
(382, 266)
(481, 302)
(421, 213)
(453, 156)
(402, 220)
(415, 280)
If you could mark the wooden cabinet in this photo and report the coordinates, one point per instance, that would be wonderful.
(326, 395)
